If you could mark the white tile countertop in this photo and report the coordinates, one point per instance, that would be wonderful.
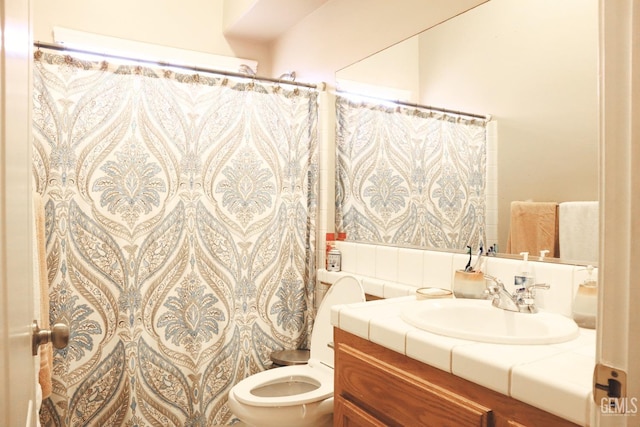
(556, 378)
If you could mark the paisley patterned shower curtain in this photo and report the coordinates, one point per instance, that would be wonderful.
(409, 176)
(180, 235)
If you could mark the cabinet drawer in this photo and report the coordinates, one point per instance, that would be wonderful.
(378, 388)
(347, 414)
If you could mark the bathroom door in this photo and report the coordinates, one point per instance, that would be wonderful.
(17, 371)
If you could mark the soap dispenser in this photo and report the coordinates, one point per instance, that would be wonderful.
(585, 302)
(524, 276)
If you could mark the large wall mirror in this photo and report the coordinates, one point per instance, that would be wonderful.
(532, 66)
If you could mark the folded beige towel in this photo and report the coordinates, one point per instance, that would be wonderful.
(46, 351)
(533, 227)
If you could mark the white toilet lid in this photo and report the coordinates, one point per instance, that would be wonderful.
(345, 290)
(313, 373)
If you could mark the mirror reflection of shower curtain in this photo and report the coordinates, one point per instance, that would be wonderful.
(410, 177)
(180, 225)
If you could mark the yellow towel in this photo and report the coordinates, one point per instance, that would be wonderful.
(534, 227)
(46, 351)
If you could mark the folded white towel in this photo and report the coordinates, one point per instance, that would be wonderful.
(578, 231)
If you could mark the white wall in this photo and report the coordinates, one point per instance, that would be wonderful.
(185, 24)
(397, 68)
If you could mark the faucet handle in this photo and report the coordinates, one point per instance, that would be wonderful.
(538, 286)
(494, 280)
(492, 285)
(530, 292)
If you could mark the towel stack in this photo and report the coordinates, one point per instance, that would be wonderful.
(533, 228)
(579, 231)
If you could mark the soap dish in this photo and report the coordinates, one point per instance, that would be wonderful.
(431, 293)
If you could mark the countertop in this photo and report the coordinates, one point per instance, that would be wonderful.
(556, 378)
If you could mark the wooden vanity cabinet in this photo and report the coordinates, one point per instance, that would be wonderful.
(376, 387)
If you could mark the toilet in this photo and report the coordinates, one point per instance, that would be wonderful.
(297, 395)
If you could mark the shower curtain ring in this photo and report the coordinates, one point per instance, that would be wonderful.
(38, 53)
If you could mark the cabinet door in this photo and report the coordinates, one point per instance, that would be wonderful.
(346, 414)
(396, 390)
(395, 397)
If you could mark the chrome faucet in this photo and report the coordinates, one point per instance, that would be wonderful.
(522, 301)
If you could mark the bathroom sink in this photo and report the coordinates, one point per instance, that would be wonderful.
(478, 320)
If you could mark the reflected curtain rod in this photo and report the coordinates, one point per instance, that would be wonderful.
(414, 105)
(58, 47)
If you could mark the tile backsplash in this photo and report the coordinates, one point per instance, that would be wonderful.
(389, 272)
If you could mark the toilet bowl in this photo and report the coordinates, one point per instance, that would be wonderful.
(298, 395)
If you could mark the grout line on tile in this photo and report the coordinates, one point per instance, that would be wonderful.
(510, 380)
(587, 410)
(453, 347)
(591, 405)
(451, 359)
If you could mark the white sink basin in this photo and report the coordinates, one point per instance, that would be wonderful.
(478, 320)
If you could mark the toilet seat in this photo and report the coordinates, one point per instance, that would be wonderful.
(313, 373)
(297, 395)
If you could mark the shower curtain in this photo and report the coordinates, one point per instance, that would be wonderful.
(180, 235)
(409, 176)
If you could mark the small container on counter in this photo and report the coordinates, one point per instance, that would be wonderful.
(469, 284)
(334, 260)
(330, 244)
(433, 293)
(585, 302)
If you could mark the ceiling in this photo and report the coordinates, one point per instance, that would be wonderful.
(265, 19)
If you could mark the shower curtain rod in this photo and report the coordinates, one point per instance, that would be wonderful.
(427, 107)
(58, 47)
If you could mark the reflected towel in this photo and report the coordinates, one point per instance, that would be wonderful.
(533, 227)
(46, 351)
(579, 231)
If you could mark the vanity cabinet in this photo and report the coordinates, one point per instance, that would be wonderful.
(376, 387)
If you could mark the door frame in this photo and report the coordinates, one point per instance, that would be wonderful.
(617, 343)
(17, 396)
